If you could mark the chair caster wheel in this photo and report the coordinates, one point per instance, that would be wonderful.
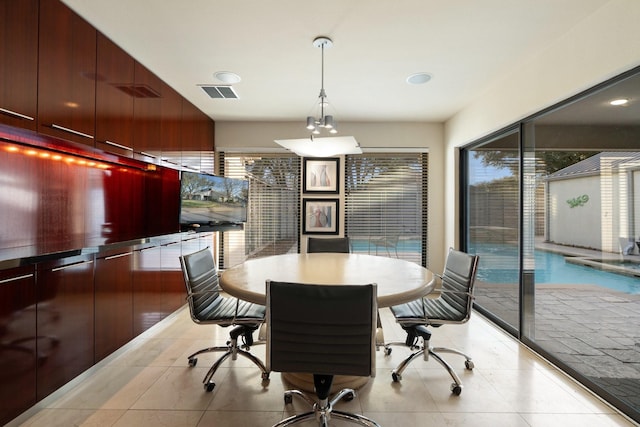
(348, 397)
(265, 376)
(208, 387)
(288, 398)
(456, 389)
(469, 364)
(193, 362)
(387, 351)
(396, 377)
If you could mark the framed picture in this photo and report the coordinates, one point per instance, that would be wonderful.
(321, 175)
(320, 216)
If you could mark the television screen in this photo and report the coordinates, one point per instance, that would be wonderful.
(209, 200)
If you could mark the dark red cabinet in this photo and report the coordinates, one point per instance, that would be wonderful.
(173, 286)
(65, 321)
(66, 74)
(147, 110)
(197, 139)
(171, 127)
(18, 358)
(115, 92)
(148, 298)
(19, 63)
(113, 302)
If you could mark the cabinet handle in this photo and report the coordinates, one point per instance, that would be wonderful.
(75, 132)
(64, 267)
(115, 144)
(146, 249)
(117, 256)
(16, 114)
(13, 279)
(147, 154)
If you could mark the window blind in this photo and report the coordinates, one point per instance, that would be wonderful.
(386, 205)
(272, 225)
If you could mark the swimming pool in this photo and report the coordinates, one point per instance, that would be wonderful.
(367, 246)
(501, 263)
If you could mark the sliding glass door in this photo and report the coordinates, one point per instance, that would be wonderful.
(566, 281)
(493, 232)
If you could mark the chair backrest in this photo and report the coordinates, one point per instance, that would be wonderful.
(321, 329)
(331, 244)
(201, 279)
(458, 281)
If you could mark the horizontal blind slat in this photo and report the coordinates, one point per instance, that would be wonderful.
(385, 200)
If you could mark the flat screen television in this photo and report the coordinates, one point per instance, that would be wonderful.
(212, 202)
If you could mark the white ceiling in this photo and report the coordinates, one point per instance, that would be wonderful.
(465, 44)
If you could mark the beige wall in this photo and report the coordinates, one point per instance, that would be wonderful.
(604, 45)
(393, 136)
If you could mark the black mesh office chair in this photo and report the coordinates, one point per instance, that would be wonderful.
(324, 330)
(453, 306)
(330, 244)
(208, 306)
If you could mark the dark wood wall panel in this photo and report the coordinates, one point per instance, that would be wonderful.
(114, 98)
(19, 197)
(148, 305)
(66, 74)
(65, 321)
(19, 62)
(18, 359)
(113, 302)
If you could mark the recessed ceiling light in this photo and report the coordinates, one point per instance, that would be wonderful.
(227, 77)
(418, 78)
(621, 101)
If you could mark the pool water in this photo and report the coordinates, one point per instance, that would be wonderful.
(365, 246)
(502, 267)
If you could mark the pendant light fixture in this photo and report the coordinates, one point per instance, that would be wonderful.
(321, 147)
(323, 121)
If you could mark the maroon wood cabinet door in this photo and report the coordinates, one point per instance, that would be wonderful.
(197, 138)
(66, 74)
(65, 321)
(114, 98)
(18, 359)
(19, 203)
(173, 286)
(19, 63)
(147, 110)
(113, 302)
(148, 306)
(171, 127)
(161, 201)
(124, 206)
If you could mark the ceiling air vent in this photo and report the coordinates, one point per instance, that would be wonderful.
(138, 90)
(219, 92)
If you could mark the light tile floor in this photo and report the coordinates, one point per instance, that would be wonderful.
(148, 382)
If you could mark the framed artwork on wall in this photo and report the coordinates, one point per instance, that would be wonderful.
(320, 216)
(321, 175)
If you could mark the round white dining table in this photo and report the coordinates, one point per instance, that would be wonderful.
(398, 281)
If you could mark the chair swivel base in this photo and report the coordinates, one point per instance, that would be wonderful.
(425, 350)
(323, 409)
(230, 350)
